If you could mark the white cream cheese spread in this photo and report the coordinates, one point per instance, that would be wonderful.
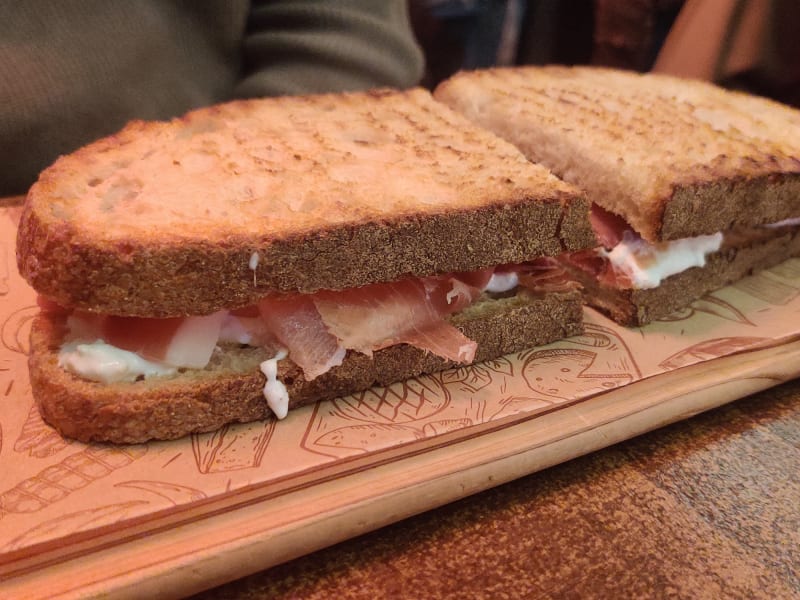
(648, 264)
(275, 392)
(785, 223)
(502, 282)
(98, 361)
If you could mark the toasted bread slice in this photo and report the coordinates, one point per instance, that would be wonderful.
(675, 158)
(230, 388)
(218, 208)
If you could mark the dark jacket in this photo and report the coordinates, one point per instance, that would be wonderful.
(74, 70)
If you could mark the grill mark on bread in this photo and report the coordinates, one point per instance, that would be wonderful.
(653, 161)
(318, 217)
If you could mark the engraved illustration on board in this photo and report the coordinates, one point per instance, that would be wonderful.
(174, 493)
(768, 288)
(710, 305)
(15, 329)
(377, 417)
(710, 349)
(38, 439)
(423, 407)
(58, 481)
(597, 361)
(75, 522)
(233, 447)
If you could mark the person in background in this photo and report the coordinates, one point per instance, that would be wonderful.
(72, 71)
(751, 45)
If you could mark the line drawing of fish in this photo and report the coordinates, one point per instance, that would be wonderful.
(404, 402)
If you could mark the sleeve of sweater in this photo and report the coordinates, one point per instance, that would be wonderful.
(307, 46)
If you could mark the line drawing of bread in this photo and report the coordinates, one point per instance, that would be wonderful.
(789, 269)
(710, 349)
(38, 438)
(76, 471)
(233, 447)
(768, 289)
(711, 305)
(597, 361)
(76, 522)
(15, 329)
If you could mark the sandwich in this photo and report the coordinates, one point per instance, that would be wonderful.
(692, 186)
(258, 255)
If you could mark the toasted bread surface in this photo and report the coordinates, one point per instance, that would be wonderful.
(220, 207)
(230, 389)
(638, 307)
(675, 158)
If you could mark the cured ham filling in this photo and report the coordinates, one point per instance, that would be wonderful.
(625, 261)
(316, 330)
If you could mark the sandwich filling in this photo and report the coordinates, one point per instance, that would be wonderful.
(313, 330)
(625, 260)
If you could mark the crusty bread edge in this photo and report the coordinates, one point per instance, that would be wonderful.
(638, 307)
(706, 207)
(172, 408)
(174, 279)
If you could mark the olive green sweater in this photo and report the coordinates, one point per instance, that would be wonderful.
(74, 70)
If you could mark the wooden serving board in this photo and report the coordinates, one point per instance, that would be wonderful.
(133, 521)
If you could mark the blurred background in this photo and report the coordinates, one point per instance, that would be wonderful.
(745, 44)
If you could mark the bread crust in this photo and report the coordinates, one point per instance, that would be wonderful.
(163, 280)
(231, 388)
(638, 307)
(676, 158)
(227, 204)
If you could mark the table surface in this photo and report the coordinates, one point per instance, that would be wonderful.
(705, 508)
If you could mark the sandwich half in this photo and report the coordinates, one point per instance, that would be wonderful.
(258, 255)
(693, 187)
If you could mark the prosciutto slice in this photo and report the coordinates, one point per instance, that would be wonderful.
(316, 329)
(546, 275)
(296, 323)
(610, 230)
(608, 227)
(408, 311)
(177, 342)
